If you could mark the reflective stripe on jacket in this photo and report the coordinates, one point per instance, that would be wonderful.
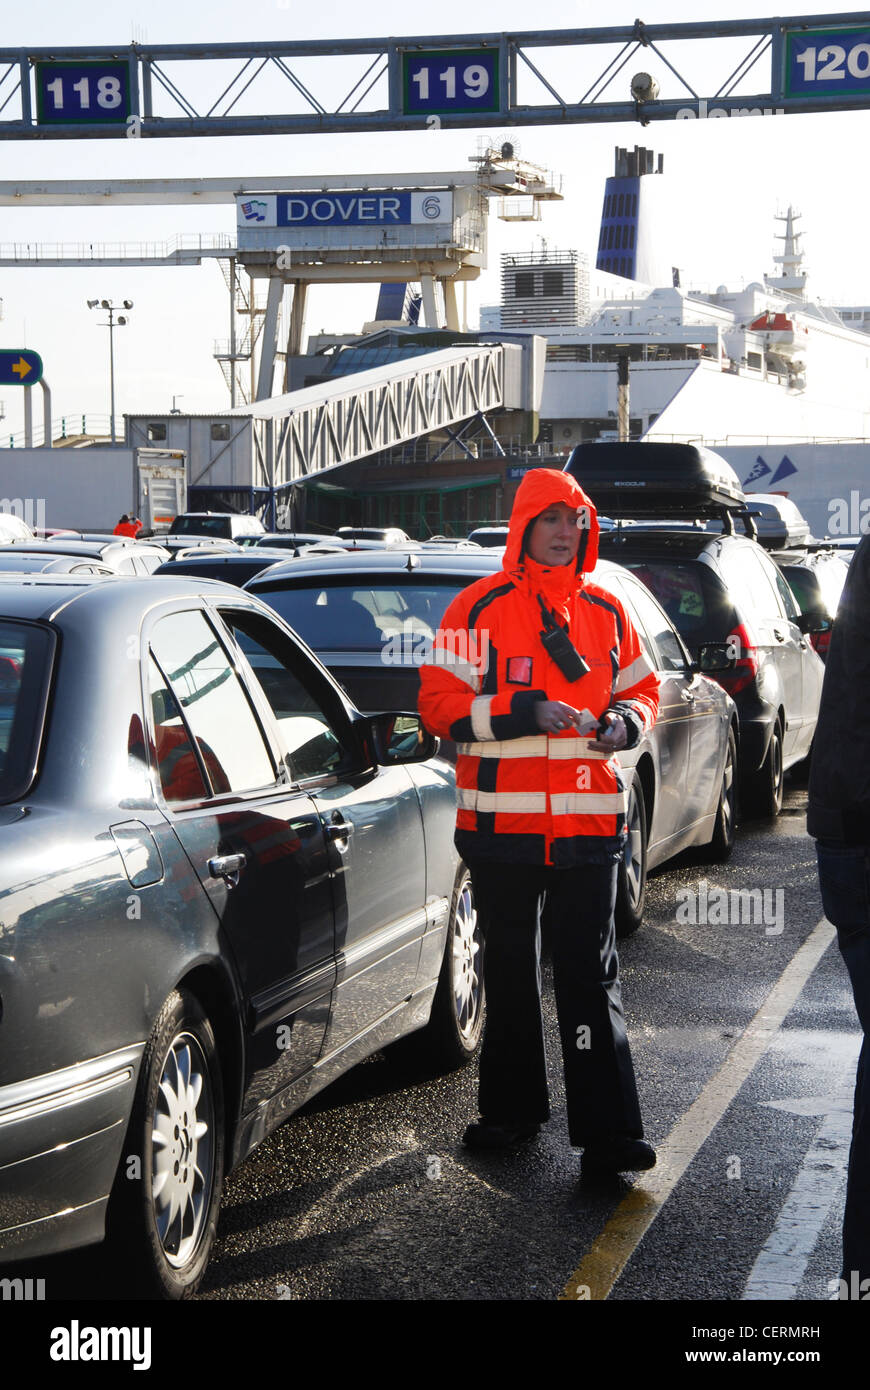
(522, 795)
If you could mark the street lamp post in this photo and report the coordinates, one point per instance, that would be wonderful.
(111, 311)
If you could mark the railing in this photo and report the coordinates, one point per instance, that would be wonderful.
(89, 426)
(760, 440)
(186, 244)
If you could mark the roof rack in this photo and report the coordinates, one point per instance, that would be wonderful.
(658, 481)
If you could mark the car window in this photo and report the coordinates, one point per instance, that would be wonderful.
(663, 644)
(147, 561)
(313, 740)
(786, 597)
(216, 709)
(831, 573)
(805, 587)
(178, 767)
(350, 616)
(25, 666)
(690, 595)
(754, 589)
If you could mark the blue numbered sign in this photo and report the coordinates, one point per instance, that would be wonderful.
(827, 62)
(457, 80)
(82, 93)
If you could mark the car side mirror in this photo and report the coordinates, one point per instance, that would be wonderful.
(715, 656)
(401, 738)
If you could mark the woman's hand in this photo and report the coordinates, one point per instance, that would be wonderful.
(555, 715)
(614, 737)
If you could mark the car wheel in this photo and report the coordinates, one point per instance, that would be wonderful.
(722, 842)
(764, 789)
(631, 878)
(167, 1194)
(455, 1028)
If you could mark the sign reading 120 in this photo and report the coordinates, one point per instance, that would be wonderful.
(457, 80)
(823, 62)
(82, 93)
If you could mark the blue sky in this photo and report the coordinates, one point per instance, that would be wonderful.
(726, 179)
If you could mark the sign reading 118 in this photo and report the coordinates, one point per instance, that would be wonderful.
(456, 80)
(82, 93)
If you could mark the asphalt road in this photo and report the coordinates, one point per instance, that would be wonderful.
(744, 1039)
(368, 1193)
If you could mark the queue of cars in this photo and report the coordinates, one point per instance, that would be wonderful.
(252, 882)
(206, 915)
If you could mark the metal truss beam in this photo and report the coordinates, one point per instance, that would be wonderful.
(181, 89)
(325, 426)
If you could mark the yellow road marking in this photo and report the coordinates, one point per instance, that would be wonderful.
(600, 1268)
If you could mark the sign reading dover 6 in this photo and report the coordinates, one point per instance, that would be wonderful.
(345, 208)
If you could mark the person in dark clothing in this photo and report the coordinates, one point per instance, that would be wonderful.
(838, 815)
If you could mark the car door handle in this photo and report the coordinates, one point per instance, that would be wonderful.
(337, 829)
(228, 867)
(779, 634)
(688, 696)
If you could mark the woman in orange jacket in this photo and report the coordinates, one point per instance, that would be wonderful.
(539, 677)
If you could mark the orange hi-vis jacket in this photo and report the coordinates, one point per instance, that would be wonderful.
(524, 796)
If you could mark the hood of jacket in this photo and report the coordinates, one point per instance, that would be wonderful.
(539, 489)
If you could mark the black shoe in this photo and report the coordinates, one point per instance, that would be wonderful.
(604, 1157)
(487, 1136)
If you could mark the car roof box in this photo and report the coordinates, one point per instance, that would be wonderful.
(656, 480)
(780, 525)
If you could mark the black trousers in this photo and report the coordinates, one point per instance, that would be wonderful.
(599, 1076)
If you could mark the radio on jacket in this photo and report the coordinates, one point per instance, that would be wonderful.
(560, 648)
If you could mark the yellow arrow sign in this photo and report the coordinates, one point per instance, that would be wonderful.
(21, 368)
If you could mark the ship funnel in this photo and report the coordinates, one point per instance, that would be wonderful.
(630, 241)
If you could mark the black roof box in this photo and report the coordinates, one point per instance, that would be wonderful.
(780, 524)
(656, 480)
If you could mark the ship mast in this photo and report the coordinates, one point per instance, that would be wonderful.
(792, 279)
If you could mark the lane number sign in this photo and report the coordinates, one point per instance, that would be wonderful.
(82, 93)
(457, 80)
(824, 62)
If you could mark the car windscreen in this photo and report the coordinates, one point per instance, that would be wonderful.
(696, 603)
(26, 652)
(200, 526)
(363, 614)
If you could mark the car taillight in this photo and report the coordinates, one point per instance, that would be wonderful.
(821, 642)
(744, 672)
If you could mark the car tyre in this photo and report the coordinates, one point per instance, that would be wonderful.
(764, 788)
(164, 1210)
(631, 876)
(722, 842)
(455, 1029)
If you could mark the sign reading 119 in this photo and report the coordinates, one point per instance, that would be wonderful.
(82, 93)
(457, 80)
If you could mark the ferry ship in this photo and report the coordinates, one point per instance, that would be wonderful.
(771, 378)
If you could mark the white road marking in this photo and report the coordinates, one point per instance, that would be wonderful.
(783, 1259)
(614, 1247)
